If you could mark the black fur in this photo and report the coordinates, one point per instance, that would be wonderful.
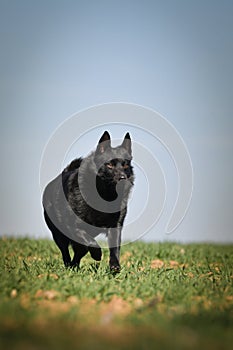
(70, 203)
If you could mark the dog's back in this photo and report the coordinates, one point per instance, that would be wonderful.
(75, 164)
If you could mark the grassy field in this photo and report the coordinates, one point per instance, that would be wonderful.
(167, 296)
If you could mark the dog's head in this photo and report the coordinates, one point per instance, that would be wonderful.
(114, 163)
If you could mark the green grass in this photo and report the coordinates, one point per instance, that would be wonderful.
(167, 296)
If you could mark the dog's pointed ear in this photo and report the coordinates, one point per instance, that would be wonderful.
(104, 142)
(127, 143)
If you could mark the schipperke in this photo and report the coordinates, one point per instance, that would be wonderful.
(88, 198)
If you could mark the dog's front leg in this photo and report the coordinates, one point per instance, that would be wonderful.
(114, 243)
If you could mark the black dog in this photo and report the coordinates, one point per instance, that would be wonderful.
(90, 197)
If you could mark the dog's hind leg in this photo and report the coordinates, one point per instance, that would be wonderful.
(95, 250)
(92, 246)
(60, 239)
(79, 252)
(63, 244)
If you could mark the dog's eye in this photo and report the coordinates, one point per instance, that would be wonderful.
(125, 166)
(109, 165)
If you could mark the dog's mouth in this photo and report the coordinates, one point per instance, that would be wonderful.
(123, 180)
(120, 178)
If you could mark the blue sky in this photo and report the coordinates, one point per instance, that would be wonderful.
(58, 57)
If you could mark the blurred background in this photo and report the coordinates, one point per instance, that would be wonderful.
(59, 57)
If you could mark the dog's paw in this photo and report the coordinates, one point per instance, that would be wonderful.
(95, 252)
(115, 268)
(74, 265)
